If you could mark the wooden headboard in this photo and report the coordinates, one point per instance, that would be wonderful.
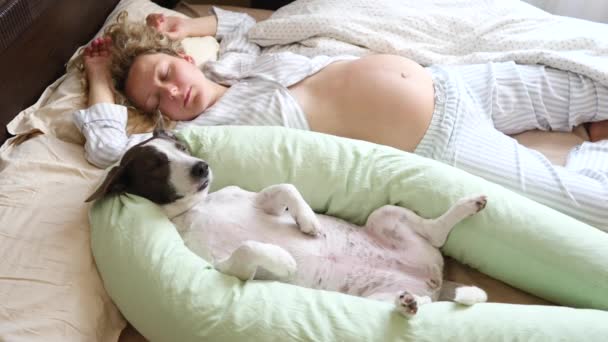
(37, 37)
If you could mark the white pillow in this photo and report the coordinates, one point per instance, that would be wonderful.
(52, 112)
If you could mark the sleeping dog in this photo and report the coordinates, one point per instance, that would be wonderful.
(275, 235)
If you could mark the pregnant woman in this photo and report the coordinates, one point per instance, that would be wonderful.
(459, 115)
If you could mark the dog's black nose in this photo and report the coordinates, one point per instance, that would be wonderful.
(199, 170)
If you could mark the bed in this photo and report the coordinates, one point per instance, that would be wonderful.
(49, 285)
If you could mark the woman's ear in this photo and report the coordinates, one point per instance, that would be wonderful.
(187, 57)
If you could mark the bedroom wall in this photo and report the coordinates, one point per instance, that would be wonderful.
(596, 10)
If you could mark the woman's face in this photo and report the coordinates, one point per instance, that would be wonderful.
(171, 84)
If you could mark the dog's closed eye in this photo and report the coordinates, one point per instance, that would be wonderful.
(156, 163)
(181, 147)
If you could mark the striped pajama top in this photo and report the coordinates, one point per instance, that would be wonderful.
(257, 95)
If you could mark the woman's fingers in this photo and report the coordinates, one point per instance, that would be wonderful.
(99, 44)
(151, 18)
(170, 26)
(99, 47)
(103, 44)
(155, 20)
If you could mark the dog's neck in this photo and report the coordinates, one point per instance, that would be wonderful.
(183, 204)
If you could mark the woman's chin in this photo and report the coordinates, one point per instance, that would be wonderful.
(193, 115)
(183, 115)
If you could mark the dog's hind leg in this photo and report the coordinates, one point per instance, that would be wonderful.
(257, 260)
(436, 230)
(277, 199)
(394, 221)
(463, 294)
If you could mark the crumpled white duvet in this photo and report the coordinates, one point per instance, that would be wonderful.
(439, 32)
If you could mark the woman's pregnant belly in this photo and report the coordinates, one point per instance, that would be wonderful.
(384, 99)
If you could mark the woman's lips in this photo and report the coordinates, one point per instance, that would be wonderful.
(187, 98)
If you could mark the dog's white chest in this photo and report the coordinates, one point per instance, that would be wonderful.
(216, 227)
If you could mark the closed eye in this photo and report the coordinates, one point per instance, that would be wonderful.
(181, 147)
(163, 77)
(155, 163)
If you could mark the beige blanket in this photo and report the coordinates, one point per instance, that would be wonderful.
(434, 32)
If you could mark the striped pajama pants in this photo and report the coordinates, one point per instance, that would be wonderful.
(478, 105)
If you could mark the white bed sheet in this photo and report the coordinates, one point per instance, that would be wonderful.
(49, 286)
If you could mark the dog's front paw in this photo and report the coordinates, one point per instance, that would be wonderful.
(257, 260)
(309, 224)
(473, 204)
(278, 262)
(406, 304)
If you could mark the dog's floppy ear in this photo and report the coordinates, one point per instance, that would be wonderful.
(114, 182)
(159, 128)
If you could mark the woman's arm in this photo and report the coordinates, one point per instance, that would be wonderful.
(230, 28)
(180, 28)
(203, 26)
(597, 130)
(103, 123)
(97, 69)
(104, 128)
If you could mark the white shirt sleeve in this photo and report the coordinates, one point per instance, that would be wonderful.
(104, 128)
(232, 29)
(237, 54)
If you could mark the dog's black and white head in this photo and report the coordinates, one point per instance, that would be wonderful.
(162, 170)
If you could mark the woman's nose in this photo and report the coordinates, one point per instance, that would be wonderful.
(171, 91)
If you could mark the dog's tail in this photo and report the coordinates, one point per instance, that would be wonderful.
(463, 294)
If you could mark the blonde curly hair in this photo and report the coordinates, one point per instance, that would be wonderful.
(131, 39)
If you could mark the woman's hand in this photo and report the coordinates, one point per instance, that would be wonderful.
(175, 28)
(597, 130)
(179, 28)
(97, 59)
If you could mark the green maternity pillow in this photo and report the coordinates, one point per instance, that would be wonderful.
(170, 294)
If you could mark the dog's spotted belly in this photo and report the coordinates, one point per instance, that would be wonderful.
(351, 260)
(344, 257)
